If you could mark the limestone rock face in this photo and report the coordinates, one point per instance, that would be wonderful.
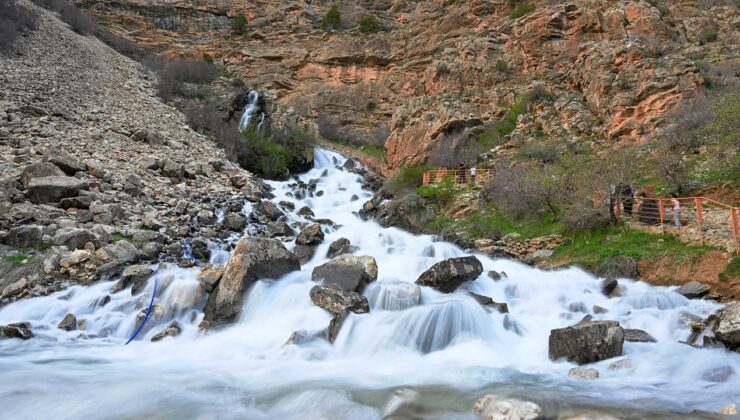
(252, 259)
(448, 275)
(587, 342)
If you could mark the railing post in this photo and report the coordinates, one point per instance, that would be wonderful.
(425, 178)
(617, 206)
(697, 201)
(735, 229)
(662, 216)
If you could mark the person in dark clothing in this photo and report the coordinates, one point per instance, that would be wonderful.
(461, 169)
(628, 199)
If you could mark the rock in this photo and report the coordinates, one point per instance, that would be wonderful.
(618, 267)
(239, 181)
(172, 330)
(173, 169)
(303, 337)
(331, 298)
(81, 202)
(727, 328)
(20, 330)
(718, 375)
(53, 188)
(620, 364)
(496, 276)
(493, 407)
(199, 249)
(404, 403)
(693, 290)
(235, 221)
(638, 336)
(448, 275)
(25, 236)
(135, 276)
(67, 163)
(587, 342)
(729, 410)
(583, 373)
(39, 170)
(252, 259)
(74, 238)
(210, 276)
(68, 323)
(541, 255)
(311, 235)
(335, 325)
(275, 229)
(75, 257)
(349, 272)
(268, 209)
(609, 285)
(339, 247)
(15, 288)
(305, 211)
(488, 302)
(122, 250)
(305, 252)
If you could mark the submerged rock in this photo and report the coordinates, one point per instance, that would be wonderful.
(448, 275)
(302, 337)
(20, 330)
(252, 259)
(638, 336)
(349, 272)
(487, 302)
(331, 298)
(493, 407)
(393, 296)
(609, 285)
(172, 330)
(68, 323)
(583, 373)
(335, 325)
(587, 342)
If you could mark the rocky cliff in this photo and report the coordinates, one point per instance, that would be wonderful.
(439, 73)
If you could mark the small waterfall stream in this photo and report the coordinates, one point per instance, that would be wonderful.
(250, 111)
(446, 347)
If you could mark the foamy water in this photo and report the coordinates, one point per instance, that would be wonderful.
(446, 346)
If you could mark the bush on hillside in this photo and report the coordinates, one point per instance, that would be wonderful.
(78, 20)
(407, 178)
(522, 10)
(369, 23)
(708, 35)
(332, 20)
(14, 21)
(239, 24)
(174, 74)
(501, 66)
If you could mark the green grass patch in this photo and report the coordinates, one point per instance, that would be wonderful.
(118, 237)
(731, 271)
(441, 192)
(589, 249)
(374, 151)
(20, 259)
(522, 10)
(491, 224)
(407, 178)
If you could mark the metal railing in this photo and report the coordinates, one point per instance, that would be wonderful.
(694, 219)
(459, 176)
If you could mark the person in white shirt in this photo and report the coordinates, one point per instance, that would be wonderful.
(473, 172)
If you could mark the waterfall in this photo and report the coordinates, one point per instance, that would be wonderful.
(445, 346)
(250, 111)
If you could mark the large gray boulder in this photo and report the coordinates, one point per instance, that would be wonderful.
(66, 162)
(349, 272)
(25, 236)
(252, 259)
(336, 301)
(727, 328)
(268, 209)
(587, 342)
(39, 170)
(135, 276)
(693, 290)
(52, 189)
(448, 275)
(74, 238)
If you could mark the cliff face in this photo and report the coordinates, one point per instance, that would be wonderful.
(440, 72)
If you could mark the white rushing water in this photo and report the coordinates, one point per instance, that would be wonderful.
(250, 111)
(446, 347)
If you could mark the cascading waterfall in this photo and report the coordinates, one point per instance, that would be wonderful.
(446, 347)
(250, 111)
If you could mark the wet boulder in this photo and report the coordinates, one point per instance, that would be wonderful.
(252, 259)
(20, 330)
(727, 326)
(305, 252)
(305, 211)
(68, 323)
(448, 275)
(277, 229)
(52, 189)
(638, 336)
(268, 209)
(581, 372)
(303, 337)
(349, 272)
(335, 300)
(172, 330)
(235, 221)
(496, 407)
(393, 295)
(311, 235)
(335, 325)
(693, 290)
(487, 302)
(609, 285)
(209, 277)
(587, 342)
(135, 276)
(339, 247)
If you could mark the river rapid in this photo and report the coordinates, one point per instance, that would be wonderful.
(443, 353)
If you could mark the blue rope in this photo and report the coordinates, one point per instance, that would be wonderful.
(189, 254)
(148, 311)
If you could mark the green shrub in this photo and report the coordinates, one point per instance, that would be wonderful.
(501, 66)
(442, 70)
(208, 58)
(708, 35)
(732, 271)
(332, 20)
(441, 192)
(239, 24)
(522, 10)
(369, 23)
(407, 178)
(505, 125)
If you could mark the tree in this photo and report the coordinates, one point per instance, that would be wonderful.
(369, 23)
(239, 24)
(332, 20)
